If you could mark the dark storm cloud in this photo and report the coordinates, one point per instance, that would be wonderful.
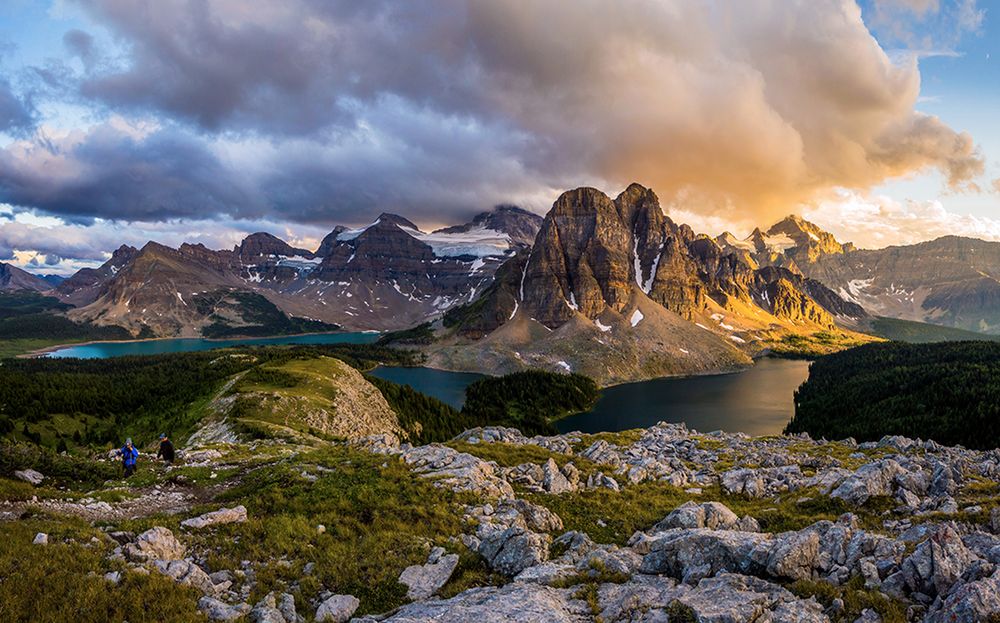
(117, 172)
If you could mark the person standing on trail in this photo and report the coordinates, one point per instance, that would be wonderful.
(129, 457)
(166, 451)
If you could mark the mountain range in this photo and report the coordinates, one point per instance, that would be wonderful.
(612, 288)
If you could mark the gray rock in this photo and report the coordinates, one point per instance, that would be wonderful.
(937, 563)
(157, 543)
(738, 598)
(513, 550)
(908, 499)
(971, 602)
(266, 611)
(236, 514)
(534, 517)
(868, 616)
(871, 479)
(944, 481)
(553, 480)
(517, 602)
(995, 519)
(458, 471)
(600, 479)
(691, 555)
(743, 482)
(114, 577)
(603, 452)
(422, 581)
(869, 571)
(711, 515)
(337, 609)
(41, 539)
(186, 573)
(217, 610)
(793, 555)
(286, 606)
(29, 476)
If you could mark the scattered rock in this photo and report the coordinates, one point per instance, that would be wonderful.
(186, 573)
(423, 581)
(157, 543)
(936, 564)
(872, 479)
(513, 550)
(29, 476)
(793, 555)
(711, 515)
(236, 514)
(217, 610)
(553, 480)
(971, 602)
(337, 609)
(690, 555)
(520, 602)
(457, 470)
(41, 539)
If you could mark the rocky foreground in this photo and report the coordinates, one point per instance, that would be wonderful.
(894, 530)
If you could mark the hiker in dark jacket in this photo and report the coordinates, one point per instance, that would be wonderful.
(166, 451)
(129, 457)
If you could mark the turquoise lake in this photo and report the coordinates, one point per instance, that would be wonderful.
(103, 350)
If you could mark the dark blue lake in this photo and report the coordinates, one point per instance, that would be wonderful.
(758, 401)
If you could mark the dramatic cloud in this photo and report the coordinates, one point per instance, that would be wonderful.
(120, 171)
(878, 221)
(319, 112)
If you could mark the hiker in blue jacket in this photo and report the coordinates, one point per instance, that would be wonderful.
(129, 456)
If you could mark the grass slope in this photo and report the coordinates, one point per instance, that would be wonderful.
(922, 332)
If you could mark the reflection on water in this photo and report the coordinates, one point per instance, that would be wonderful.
(758, 401)
(448, 387)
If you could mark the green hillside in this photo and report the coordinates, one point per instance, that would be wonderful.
(922, 332)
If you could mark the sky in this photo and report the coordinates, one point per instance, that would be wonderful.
(202, 121)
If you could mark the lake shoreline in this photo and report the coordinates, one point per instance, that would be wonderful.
(41, 352)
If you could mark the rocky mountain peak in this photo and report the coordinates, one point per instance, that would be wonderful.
(124, 252)
(263, 244)
(395, 219)
(805, 241)
(519, 224)
(13, 278)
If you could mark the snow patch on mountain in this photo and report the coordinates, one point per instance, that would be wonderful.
(636, 317)
(477, 242)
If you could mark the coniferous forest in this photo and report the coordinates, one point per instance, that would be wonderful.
(948, 392)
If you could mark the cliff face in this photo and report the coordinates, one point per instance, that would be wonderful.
(592, 253)
(613, 288)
